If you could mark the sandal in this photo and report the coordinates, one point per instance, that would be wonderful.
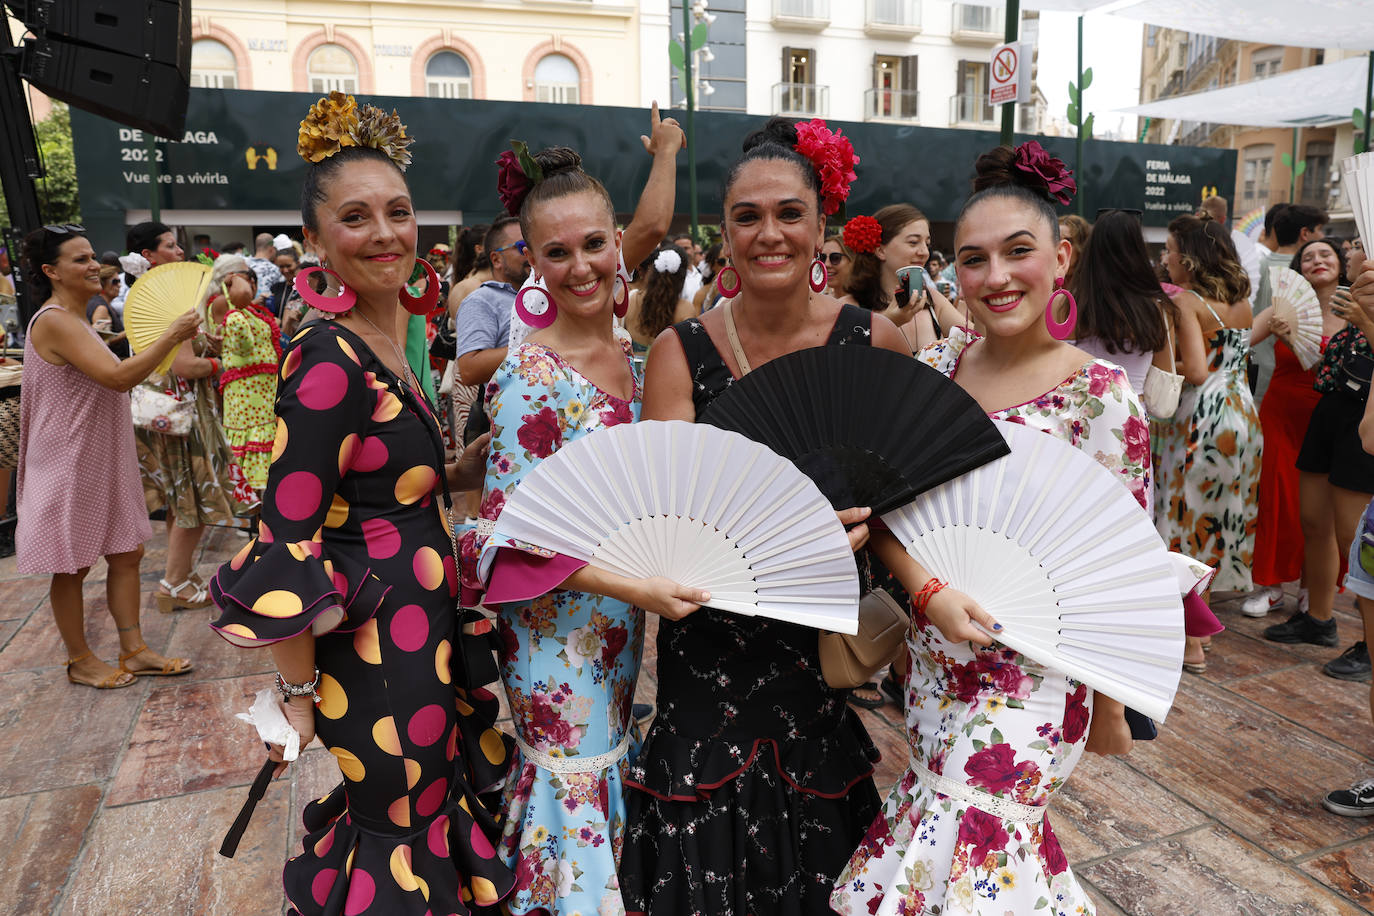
(112, 682)
(892, 688)
(867, 702)
(1195, 667)
(172, 599)
(170, 668)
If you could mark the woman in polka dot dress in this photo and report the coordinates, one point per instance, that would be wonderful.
(351, 581)
(571, 638)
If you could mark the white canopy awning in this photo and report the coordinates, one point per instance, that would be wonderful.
(1304, 23)
(1310, 97)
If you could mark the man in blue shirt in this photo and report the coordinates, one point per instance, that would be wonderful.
(482, 325)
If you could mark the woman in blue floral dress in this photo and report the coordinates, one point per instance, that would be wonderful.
(994, 735)
(569, 653)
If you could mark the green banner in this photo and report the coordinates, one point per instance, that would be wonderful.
(239, 153)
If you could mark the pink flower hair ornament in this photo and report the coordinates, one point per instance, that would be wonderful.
(832, 155)
(1045, 171)
(516, 174)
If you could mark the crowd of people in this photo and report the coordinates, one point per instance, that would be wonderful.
(365, 413)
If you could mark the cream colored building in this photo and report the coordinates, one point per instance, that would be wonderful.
(576, 51)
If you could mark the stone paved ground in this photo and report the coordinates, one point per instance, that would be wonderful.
(114, 802)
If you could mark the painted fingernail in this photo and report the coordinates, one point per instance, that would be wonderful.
(997, 626)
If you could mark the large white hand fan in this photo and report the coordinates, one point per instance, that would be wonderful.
(1295, 301)
(1058, 551)
(1358, 172)
(158, 298)
(704, 507)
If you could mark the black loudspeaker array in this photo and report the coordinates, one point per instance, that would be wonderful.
(128, 60)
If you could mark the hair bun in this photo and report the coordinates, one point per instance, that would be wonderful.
(777, 130)
(994, 168)
(557, 159)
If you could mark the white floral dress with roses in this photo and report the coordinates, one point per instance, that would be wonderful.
(993, 720)
(569, 660)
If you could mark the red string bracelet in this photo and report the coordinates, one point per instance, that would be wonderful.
(922, 598)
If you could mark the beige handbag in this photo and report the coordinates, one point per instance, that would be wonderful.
(1162, 389)
(851, 661)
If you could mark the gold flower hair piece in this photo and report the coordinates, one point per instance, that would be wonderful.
(337, 122)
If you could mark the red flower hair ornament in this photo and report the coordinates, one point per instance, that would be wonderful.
(863, 233)
(832, 155)
(516, 174)
(1045, 171)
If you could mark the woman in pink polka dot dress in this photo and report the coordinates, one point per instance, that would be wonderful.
(352, 582)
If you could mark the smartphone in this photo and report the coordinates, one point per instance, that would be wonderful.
(1341, 301)
(910, 281)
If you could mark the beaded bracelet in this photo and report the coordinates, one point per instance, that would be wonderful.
(921, 599)
(289, 690)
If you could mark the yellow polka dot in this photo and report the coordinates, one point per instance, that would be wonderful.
(384, 733)
(348, 450)
(302, 332)
(279, 441)
(239, 558)
(399, 811)
(277, 603)
(412, 773)
(429, 569)
(365, 643)
(388, 406)
(414, 484)
(333, 701)
(463, 803)
(400, 869)
(238, 629)
(483, 891)
(323, 844)
(348, 351)
(349, 764)
(443, 658)
(492, 746)
(338, 512)
(297, 551)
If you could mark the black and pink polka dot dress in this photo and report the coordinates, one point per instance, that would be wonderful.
(354, 548)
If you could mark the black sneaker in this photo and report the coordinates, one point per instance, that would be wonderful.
(1356, 801)
(1350, 665)
(1303, 627)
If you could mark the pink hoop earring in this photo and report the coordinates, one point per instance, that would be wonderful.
(334, 305)
(423, 304)
(730, 290)
(818, 275)
(621, 294)
(1057, 330)
(535, 306)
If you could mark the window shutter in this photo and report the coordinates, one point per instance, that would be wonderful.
(787, 65)
(909, 72)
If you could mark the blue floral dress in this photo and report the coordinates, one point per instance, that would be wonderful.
(991, 724)
(569, 660)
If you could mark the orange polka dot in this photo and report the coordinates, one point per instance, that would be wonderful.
(292, 362)
(349, 764)
(428, 568)
(279, 441)
(401, 870)
(384, 733)
(333, 701)
(237, 562)
(338, 512)
(297, 551)
(399, 811)
(348, 350)
(348, 449)
(443, 658)
(415, 484)
(238, 629)
(388, 406)
(277, 603)
(484, 892)
(412, 773)
(365, 643)
(492, 746)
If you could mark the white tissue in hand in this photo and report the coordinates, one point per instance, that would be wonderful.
(266, 715)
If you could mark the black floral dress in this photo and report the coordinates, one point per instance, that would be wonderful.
(755, 783)
(354, 547)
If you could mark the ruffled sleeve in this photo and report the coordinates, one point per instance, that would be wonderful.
(944, 354)
(285, 581)
(237, 346)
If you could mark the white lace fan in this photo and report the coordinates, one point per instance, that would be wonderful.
(704, 507)
(1358, 174)
(1061, 554)
(1295, 301)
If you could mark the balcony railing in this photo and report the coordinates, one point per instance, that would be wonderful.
(805, 14)
(970, 109)
(891, 105)
(977, 22)
(801, 99)
(892, 17)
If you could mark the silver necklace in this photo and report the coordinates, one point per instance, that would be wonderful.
(405, 366)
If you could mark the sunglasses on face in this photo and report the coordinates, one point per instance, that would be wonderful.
(836, 258)
(519, 246)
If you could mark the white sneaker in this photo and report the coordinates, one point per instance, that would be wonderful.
(1302, 600)
(1261, 602)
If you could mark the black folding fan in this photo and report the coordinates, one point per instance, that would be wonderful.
(871, 427)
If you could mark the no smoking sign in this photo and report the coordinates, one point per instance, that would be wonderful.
(1010, 72)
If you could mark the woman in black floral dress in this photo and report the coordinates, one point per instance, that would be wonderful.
(755, 782)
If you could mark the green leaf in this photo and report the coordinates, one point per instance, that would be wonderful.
(1073, 93)
(699, 34)
(1072, 112)
(1087, 77)
(1088, 126)
(1286, 159)
(527, 164)
(1359, 143)
(1302, 167)
(996, 737)
(675, 54)
(1357, 118)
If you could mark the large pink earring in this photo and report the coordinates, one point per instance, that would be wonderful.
(535, 306)
(818, 275)
(621, 295)
(728, 290)
(334, 305)
(1057, 330)
(423, 304)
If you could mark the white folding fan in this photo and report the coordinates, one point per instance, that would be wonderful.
(1295, 301)
(704, 507)
(1062, 556)
(1358, 174)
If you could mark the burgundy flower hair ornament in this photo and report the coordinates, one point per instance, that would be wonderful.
(832, 155)
(863, 233)
(1045, 171)
(516, 174)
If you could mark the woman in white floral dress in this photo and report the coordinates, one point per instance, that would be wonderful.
(993, 735)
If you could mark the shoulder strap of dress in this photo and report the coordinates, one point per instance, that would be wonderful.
(1208, 307)
(854, 324)
(732, 335)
